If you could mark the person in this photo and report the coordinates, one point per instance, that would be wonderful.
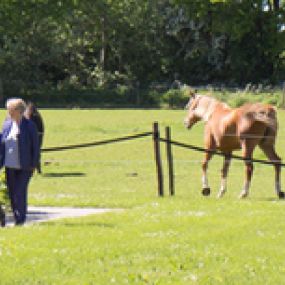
(33, 114)
(19, 153)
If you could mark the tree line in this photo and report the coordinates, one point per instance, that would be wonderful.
(81, 45)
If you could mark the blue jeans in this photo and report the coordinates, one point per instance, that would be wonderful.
(17, 183)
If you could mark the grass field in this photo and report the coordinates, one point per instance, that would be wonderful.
(187, 239)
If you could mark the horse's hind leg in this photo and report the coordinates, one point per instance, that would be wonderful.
(270, 152)
(225, 169)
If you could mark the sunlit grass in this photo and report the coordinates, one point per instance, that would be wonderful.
(187, 239)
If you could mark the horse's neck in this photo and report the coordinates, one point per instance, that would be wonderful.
(212, 105)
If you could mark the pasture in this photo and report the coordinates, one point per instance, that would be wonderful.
(186, 239)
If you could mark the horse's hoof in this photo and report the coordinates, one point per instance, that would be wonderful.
(243, 195)
(220, 195)
(281, 195)
(206, 191)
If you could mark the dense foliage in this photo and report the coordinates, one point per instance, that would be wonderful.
(61, 45)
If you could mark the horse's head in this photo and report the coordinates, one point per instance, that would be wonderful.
(192, 116)
(199, 108)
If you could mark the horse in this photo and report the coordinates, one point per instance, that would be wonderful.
(228, 129)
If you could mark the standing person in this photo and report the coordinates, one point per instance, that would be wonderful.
(19, 155)
(33, 114)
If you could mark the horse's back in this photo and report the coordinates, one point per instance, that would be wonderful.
(255, 122)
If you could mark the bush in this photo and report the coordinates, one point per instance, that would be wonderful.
(174, 98)
(272, 99)
(238, 101)
(122, 96)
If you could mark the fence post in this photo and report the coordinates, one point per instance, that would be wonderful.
(169, 161)
(156, 143)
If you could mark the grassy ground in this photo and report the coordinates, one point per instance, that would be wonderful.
(187, 239)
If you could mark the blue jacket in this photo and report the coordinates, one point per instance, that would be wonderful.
(29, 149)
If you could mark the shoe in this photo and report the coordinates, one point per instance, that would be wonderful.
(2, 218)
(19, 223)
(3, 221)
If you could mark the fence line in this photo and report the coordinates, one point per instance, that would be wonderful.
(246, 136)
(97, 143)
(237, 157)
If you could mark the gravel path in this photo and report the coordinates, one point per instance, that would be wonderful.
(43, 214)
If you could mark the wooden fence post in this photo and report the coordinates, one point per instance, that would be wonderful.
(170, 161)
(156, 142)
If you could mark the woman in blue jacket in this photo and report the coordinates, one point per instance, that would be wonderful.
(19, 155)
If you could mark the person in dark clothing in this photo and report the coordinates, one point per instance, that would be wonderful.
(19, 154)
(34, 115)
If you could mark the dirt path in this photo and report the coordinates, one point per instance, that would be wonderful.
(42, 214)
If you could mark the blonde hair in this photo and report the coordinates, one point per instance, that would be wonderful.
(16, 103)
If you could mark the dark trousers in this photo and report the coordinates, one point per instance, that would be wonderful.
(17, 183)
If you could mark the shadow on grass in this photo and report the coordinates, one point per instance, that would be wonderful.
(64, 174)
(32, 216)
(78, 225)
(269, 199)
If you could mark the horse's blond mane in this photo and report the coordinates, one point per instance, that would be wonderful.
(207, 105)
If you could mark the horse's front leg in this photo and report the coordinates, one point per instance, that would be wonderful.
(247, 155)
(225, 169)
(206, 190)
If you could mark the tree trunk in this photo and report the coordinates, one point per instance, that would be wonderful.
(103, 47)
(103, 42)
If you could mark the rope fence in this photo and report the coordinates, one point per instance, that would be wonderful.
(237, 157)
(97, 143)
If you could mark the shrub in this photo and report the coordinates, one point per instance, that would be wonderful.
(238, 101)
(174, 98)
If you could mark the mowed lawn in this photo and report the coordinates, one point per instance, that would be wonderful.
(186, 239)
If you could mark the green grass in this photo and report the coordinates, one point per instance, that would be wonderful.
(187, 239)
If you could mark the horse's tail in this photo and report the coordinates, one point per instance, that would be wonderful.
(265, 114)
(268, 116)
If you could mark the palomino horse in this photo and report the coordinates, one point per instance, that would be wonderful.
(228, 129)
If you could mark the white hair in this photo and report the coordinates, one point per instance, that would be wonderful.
(16, 103)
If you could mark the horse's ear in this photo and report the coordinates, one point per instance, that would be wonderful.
(193, 93)
(189, 92)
